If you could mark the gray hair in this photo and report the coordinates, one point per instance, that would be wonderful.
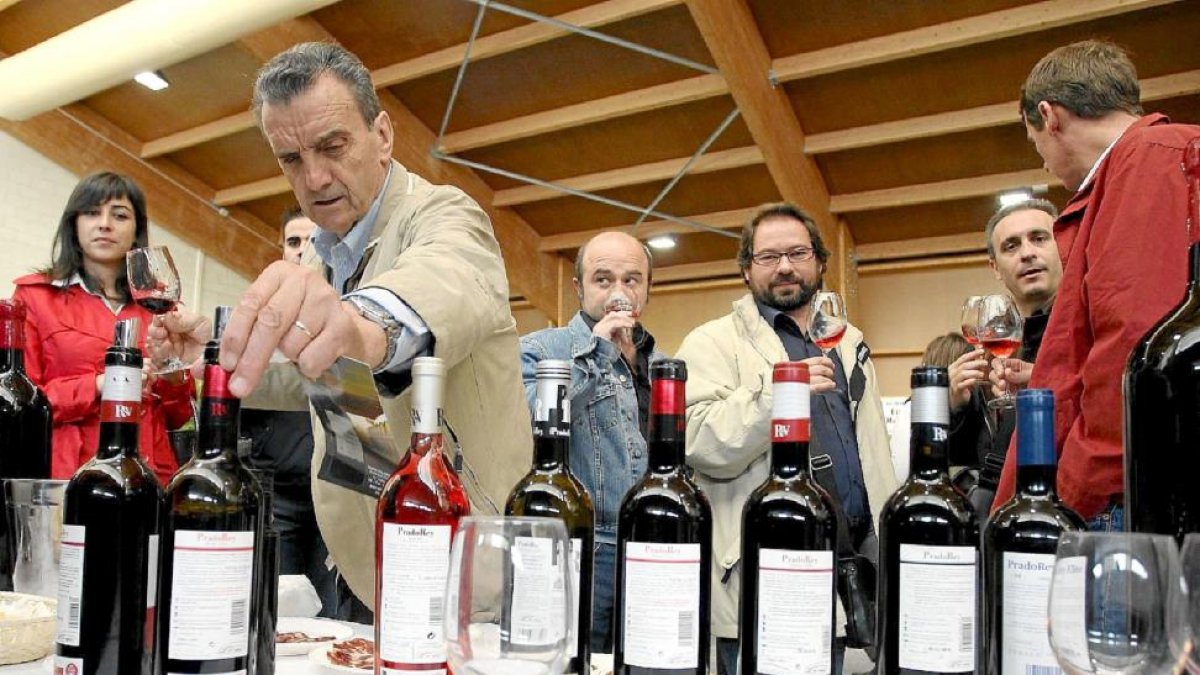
(1028, 205)
(292, 72)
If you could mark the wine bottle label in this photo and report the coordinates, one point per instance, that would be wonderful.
(1026, 597)
(70, 584)
(210, 595)
(795, 612)
(537, 575)
(414, 565)
(931, 405)
(662, 605)
(937, 608)
(1067, 606)
(576, 558)
(790, 401)
(64, 665)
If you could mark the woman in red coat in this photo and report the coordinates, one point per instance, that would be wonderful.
(72, 308)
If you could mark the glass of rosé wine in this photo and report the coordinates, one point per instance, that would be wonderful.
(827, 320)
(999, 331)
(970, 319)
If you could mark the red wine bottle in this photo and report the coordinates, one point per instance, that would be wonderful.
(928, 551)
(25, 419)
(210, 541)
(109, 559)
(415, 521)
(1162, 403)
(1018, 549)
(789, 544)
(266, 582)
(664, 548)
(550, 490)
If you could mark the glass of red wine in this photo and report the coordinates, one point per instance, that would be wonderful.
(155, 285)
(998, 329)
(826, 320)
(970, 319)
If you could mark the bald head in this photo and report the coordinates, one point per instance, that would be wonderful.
(608, 262)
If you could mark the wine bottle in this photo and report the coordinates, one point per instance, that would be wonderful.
(928, 549)
(108, 563)
(551, 490)
(789, 544)
(1018, 549)
(266, 583)
(25, 417)
(210, 540)
(664, 548)
(417, 515)
(1162, 403)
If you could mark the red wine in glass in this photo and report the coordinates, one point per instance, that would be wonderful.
(156, 305)
(1002, 348)
(155, 285)
(968, 333)
(828, 342)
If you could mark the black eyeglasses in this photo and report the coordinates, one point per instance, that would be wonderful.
(772, 258)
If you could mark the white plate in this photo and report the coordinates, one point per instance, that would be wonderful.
(320, 656)
(314, 627)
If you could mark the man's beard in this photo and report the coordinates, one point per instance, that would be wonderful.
(787, 302)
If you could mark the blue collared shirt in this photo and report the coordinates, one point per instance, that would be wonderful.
(344, 255)
(832, 423)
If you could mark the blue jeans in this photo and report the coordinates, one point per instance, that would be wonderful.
(727, 656)
(604, 579)
(1111, 519)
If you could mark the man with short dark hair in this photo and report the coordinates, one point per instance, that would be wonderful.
(1123, 238)
(610, 391)
(730, 361)
(1024, 257)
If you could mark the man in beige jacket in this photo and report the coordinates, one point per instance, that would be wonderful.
(730, 361)
(399, 268)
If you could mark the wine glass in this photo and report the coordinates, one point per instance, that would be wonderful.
(1185, 630)
(998, 328)
(970, 319)
(826, 320)
(155, 285)
(1109, 603)
(508, 597)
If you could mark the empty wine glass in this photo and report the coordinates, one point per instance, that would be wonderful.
(826, 320)
(998, 328)
(508, 599)
(1185, 629)
(155, 285)
(970, 319)
(1109, 603)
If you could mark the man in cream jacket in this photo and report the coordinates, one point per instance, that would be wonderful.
(730, 361)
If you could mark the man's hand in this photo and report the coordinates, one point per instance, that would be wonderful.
(1012, 374)
(967, 371)
(266, 319)
(820, 374)
(617, 327)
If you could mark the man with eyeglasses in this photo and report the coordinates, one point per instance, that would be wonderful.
(730, 360)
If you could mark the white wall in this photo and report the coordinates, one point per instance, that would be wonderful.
(33, 192)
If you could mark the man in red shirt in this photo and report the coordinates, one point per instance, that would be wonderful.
(1123, 238)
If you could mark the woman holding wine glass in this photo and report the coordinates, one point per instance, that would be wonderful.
(72, 306)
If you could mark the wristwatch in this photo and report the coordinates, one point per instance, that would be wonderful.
(377, 314)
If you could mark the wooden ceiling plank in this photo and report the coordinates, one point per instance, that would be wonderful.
(515, 39)
(952, 34)
(982, 117)
(580, 114)
(972, 260)
(693, 271)
(959, 188)
(634, 175)
(533, 274)
(967, 242)
(240, 194)
(5, 4)
(737, 46)
(725, 220)
(211, 131)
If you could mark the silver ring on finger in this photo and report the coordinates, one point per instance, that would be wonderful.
(304, 329)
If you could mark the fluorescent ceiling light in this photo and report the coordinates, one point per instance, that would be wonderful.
(1015, 197)
(661, 243)
(152, 80)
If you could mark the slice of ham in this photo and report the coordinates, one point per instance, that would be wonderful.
(354, 653)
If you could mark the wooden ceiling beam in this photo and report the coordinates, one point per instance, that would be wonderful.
(951, 244)
(514, 39)
(949, 262)
(634, 175)
(724, 220)
(248, 192)
(533, 274)
(5, 4)
(942, 191)
(999, 114)
(588, 112)
(693, 271)
(951, 35)
(737, 46)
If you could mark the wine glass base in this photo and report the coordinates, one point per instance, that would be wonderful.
(1002, 403)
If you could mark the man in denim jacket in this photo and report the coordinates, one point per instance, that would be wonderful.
(610, 391)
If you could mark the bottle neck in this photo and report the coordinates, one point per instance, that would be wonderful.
(550, 448)
(218, 429)
(1036, 480)
(789, 459)
(1194, 264)
(667, 426)
(927, 451)
(120, 404)
(12, 359)
(12, 344)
